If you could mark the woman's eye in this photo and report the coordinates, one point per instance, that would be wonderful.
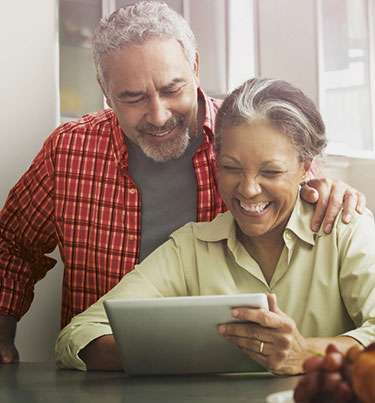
(271, 173)
(230, 168)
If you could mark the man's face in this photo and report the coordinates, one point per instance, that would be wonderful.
(153, 92)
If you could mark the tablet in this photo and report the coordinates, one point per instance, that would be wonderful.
(178, 335)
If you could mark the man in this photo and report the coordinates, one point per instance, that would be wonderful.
(109, 188)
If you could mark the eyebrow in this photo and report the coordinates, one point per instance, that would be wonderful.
(134, 94)
(264, 163)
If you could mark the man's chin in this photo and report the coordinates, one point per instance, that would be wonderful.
(166, 151)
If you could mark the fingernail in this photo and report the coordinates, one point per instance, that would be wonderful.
(328, 228)
(235, 312)
(316, 227)
(221, 329)
(347, 218)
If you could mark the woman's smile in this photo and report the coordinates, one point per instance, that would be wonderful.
(259, 177)
(254, 209)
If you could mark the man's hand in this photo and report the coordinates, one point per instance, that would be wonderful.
(8, 351)
(329, 197)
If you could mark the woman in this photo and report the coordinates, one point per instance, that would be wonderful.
(268, 134)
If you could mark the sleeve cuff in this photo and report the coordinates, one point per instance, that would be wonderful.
(66, 351)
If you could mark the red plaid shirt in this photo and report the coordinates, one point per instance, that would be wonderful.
(78, 195)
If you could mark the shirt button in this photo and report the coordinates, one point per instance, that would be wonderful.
(132, 191)
(131, 237)
(288, 235)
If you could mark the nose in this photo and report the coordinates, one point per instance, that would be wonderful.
(249, 185)
(158, 112)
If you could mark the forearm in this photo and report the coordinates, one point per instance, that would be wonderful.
(8, 351)
(319, 344)
(8, 326)
(102, 354)
(27, 236)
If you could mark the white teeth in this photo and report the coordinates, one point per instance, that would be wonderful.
(160, 134)
(254, 207)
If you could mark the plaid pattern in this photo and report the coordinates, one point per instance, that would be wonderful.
(78, 195)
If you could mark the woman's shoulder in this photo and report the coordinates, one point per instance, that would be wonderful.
(304, 212)
(358, 223)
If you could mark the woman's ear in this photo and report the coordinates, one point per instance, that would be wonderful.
(305, 169)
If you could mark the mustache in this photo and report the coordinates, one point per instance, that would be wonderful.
(150, 128)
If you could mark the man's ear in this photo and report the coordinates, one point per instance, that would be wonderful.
(196, 68)
(107, 99)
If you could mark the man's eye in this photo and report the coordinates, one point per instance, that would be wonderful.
(173, 91)
(134, 101)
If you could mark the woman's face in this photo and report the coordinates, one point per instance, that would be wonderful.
(259, 177)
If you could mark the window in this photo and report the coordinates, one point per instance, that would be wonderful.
(346, 95)
(224, 30)
(79, 91)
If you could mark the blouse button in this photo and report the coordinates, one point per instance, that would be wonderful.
(131, 237)
(132, 191)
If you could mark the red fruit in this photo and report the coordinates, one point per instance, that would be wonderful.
(333, 361)
(313, 363)
(331, 380)
(353, 353)
(343, 393)
(331, 348)
(312, 383)
(370, 347)
(363, 376)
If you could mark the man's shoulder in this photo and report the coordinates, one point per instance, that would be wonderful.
(216, 102)
(211, 107)
(85, 130)
(91, 122)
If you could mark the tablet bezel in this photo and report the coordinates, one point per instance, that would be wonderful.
(178, 335)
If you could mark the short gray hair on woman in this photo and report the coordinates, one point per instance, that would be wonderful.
(137, 23)
(279, 104)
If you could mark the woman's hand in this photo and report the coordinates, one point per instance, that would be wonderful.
(330, 196)
(102, 354)
(271, 339)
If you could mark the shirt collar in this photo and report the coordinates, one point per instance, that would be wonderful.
(210, 110)
(221, 228)
(300, 221)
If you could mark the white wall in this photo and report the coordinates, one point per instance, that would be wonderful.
(288, 44)
(29, 112)
(288, 49)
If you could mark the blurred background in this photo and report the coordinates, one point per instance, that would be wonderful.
(325, 47)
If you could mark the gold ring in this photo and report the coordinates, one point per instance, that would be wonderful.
(261, 347)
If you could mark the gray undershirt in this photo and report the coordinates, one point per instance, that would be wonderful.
(168, 193)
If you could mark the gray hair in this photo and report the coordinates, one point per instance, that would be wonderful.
(280, 104)
(136, 24)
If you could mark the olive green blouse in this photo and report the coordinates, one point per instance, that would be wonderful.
(326, 283)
